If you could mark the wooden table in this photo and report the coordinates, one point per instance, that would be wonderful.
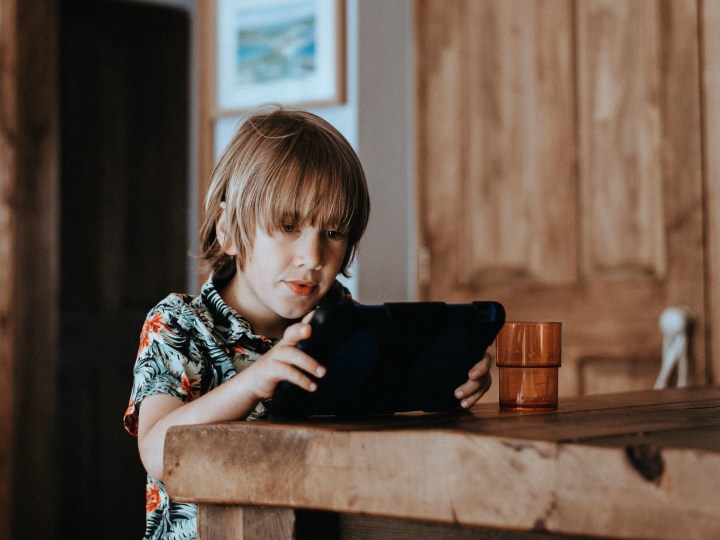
(642, 465)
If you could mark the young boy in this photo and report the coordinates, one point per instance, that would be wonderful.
(287, 206)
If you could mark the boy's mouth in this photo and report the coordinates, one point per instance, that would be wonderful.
(301, 288)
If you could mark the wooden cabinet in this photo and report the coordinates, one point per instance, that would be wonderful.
(561, 171)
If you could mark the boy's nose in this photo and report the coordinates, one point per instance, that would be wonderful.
(309, 250)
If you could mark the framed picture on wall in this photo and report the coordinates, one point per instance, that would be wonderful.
(290, 52)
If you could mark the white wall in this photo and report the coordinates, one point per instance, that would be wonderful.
(376, 119)
(387, 266)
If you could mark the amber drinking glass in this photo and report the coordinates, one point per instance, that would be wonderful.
(528, 356)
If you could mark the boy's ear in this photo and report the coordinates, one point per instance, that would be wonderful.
(221, 231)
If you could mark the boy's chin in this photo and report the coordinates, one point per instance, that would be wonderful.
(298, 310)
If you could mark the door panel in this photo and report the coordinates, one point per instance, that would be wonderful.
(559, 171)
(517, 104)
(620, 133)
(124, 80)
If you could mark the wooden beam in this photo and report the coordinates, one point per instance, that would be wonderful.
(8, 165)
(710, 57)
(29, 258)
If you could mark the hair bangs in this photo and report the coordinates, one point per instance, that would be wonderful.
(307, 195)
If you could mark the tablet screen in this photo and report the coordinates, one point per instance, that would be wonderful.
(394, 357)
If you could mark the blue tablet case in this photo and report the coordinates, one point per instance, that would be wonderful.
(394, 357)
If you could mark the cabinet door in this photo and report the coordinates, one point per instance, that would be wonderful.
(559, 172)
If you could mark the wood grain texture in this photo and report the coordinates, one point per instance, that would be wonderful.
(597, 466)
(238, 523)
(560, 170)
(517, 121)
(439, 139)
(495, 139)
(8, 174)
(619, 50)
(206, 99)
(29, 253)
(710, 32)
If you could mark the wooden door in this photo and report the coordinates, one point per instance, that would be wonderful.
(124, 144)
(560, 172)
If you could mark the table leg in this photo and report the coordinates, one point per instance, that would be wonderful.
(217, 521)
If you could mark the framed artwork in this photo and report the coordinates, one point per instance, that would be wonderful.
(290, 52)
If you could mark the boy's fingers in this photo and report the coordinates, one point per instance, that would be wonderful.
(287, 372)
(295, 333)
(481, 368)
(473, 390)
(291, 355)
(471, 400)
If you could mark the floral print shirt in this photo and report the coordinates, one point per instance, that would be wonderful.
(188, 346)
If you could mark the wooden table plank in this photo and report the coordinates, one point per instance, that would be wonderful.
(605, 414)
(642, 465)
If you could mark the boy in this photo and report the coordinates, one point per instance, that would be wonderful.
(287, 206)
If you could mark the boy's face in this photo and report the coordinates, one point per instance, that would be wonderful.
(286, 274)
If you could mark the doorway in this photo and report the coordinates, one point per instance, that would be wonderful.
(124, 79)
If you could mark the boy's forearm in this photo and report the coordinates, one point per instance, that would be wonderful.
(230, 401)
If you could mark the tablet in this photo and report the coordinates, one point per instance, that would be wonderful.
(394, 357)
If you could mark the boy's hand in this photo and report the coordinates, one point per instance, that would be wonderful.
(284, 362)
(479, 381)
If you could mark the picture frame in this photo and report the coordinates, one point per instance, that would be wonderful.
(289, 52)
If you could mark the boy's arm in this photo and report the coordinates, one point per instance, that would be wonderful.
(159, 412)
(232, 400)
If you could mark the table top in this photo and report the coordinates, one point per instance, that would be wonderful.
(640, 464)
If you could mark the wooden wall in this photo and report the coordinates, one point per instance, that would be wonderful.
(93, 221)
(28, 266)
(567, 166)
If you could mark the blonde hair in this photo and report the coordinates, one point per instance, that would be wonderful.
(283, 165)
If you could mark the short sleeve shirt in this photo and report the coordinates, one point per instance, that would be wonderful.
(188, 346)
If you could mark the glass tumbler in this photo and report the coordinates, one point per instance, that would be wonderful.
(528, 356)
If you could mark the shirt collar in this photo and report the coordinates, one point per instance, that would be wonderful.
(228, 322)
(233, 326)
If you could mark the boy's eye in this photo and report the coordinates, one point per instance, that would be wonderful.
(333, 235)
(288, 227)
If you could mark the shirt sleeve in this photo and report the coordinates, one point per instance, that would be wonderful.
(163, 364)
